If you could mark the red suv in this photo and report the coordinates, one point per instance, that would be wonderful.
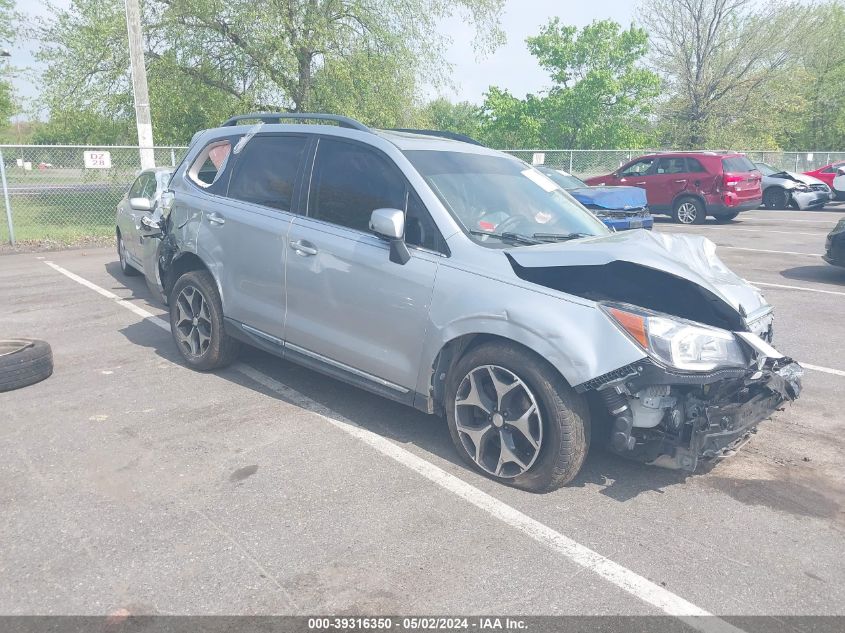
(692, 185)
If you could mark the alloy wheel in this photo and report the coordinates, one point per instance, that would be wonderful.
(121, 253)
(193, 322)
(687, 213)
(498, 421)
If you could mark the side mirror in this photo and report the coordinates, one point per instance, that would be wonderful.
(390, 224)
(141, 204)
(149, 227)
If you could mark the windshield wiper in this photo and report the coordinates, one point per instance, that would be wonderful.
(559, 237)
(509, 237)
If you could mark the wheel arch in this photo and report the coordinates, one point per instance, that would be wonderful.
(689, 194)
(456, 348)
(184, 262)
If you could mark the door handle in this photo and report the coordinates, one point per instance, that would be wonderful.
(640, 183)
(216, 218)
(680, 181)
(303, 248)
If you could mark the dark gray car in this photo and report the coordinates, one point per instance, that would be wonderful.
(463, 282)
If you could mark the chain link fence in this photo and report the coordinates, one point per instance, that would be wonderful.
(586, 163)
(68, 193)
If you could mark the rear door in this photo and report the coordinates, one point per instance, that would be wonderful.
(348, 306)
(670, 178)
(243, 231)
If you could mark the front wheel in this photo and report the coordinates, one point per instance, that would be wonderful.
(514, 418)
(196, 322)
(776, 198)
(125, 267)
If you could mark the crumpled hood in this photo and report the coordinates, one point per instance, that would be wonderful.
(689, 257)
(802, 178)
(611, 198)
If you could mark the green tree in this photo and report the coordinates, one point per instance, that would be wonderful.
(818, 82)
(725, 63)
(601, 96)
(441, 114)
(208, 59)
(8, 20)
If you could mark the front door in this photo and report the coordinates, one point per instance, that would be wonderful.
(348, 305)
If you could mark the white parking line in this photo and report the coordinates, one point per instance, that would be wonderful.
(765, 231)
(826, 370)
(825, 292)
(613, 572)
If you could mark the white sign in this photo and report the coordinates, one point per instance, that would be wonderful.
(539, 158)
(810, 157)
(97, 160)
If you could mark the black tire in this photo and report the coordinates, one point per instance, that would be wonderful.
(776, 198)
(688, 210)
(24, 362)
(728, 217)
(221, 349)
(565, 415)
(125, 267)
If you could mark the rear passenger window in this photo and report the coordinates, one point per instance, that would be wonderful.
(210, 163)
(265, 171)
(349, 182)
(694, 166)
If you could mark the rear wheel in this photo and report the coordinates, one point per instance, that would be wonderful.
(196, 322)
(776, 198)
(688, 211)
(724, 219)
(513, 418)
(125, 267)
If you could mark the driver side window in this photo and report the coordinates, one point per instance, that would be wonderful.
(640, 168)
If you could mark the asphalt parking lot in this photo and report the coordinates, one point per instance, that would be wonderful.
(131, 482)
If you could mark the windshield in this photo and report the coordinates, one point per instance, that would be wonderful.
(766, 169)
(563, 179)
(495, 198)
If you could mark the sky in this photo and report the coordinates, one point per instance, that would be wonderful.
(511, 66)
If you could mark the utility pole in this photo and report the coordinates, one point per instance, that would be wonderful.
(139, 84)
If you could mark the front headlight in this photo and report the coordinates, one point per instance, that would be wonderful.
(677, 342)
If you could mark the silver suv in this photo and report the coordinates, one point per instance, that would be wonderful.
(462, 281)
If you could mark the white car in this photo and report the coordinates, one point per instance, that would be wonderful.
(785, 189)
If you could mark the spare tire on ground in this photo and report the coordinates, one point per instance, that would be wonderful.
(24, 362)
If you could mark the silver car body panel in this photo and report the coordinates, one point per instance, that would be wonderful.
(819, 196)
(347, 306)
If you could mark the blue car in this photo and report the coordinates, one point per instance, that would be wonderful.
(620, 208)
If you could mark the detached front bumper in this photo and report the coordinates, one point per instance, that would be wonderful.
(675, 420)
(811, 199)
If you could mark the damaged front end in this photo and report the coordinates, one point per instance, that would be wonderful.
(673, 417)
(708, 374)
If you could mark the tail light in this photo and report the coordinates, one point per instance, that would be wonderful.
(729, 181)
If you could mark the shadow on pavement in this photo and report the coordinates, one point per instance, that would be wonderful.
(617, 478)
(822, 273)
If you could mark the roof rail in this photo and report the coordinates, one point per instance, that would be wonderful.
(279, 117)
(455, 136)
